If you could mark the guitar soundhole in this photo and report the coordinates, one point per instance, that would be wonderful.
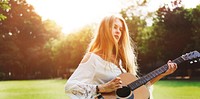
(123, 92)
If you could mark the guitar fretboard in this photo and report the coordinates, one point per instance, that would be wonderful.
(143, 80)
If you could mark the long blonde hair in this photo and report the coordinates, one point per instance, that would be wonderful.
(104, 42)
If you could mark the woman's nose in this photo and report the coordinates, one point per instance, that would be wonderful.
(118, 31)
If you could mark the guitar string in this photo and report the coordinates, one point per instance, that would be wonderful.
(152, 74)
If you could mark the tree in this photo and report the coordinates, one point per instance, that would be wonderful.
(173, 33)
(4, 7)
(67, 51)
(22, 39)
(139, 31)
(193, 17)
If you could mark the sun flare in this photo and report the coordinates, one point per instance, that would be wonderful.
(73, 14)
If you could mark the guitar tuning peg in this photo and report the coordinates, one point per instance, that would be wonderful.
(191, 55)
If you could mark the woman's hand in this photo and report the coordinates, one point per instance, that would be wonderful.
(171, 68)
(110, 86)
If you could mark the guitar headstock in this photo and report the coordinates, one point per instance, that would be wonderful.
(191, 55)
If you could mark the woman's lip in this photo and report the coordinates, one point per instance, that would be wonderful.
(116, 36)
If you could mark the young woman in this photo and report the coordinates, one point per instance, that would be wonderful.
(109, 54)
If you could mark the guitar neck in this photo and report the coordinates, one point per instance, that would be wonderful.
(143, 80)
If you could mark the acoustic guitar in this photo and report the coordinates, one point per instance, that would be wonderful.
(134, 88)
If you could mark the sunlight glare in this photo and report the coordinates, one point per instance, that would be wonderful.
(74, 14)
(191, 3)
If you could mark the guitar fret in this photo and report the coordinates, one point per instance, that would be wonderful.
(165, 67)
(131, 86)
(178, 60)
(148, 78)
(152, 76)
(159, 71)
(143, 80)
(154, 72)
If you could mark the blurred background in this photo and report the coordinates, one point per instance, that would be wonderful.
(45, 39)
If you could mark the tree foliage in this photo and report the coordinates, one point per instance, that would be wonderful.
(67, 51)
(23, 36)
(32, 48)
(174, 29)
(3, 7)
(173, 33)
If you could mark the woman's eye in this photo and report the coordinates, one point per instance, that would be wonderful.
(121, 29)
(115, 27)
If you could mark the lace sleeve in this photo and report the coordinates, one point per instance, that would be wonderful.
(80, 90)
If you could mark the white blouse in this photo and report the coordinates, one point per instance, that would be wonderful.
(95, 71)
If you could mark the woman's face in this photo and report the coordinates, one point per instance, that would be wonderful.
(117, 29)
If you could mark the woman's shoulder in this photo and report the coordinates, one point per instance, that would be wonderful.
(86, 58)
(90, 57)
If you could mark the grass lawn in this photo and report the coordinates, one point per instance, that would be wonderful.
(54, 89)
(176, 89)
(32, 89)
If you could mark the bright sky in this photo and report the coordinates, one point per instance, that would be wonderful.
(72, 14)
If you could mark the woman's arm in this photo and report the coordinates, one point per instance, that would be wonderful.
(171, 69)
(79, 83)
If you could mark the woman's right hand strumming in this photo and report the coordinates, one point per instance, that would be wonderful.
(110, 86)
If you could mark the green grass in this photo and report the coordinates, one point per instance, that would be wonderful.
(54, 89)
(32, 89)
(176, 89)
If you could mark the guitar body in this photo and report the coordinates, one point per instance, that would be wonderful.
(140, 93)
(133, 87)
